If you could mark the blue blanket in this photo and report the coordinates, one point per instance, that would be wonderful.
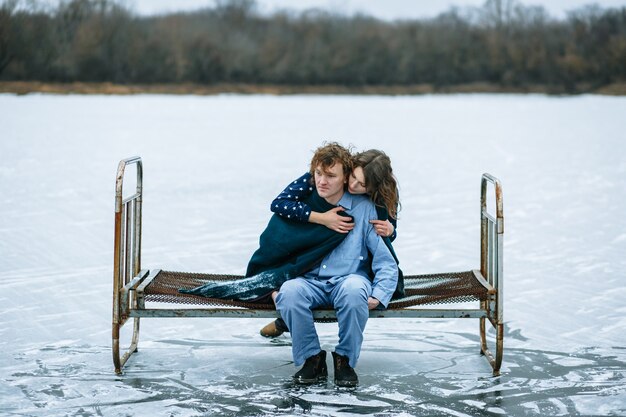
(287, 249)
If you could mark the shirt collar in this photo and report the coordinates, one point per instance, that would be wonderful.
(346, 200)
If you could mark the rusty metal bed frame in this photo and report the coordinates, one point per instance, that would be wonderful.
(133, 287)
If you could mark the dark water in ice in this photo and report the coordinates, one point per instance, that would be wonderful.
(212, 164)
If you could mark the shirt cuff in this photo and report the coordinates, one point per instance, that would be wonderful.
(381, 296)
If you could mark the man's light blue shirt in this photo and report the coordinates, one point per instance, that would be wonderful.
(352, 256)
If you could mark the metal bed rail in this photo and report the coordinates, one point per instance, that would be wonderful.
(126, 258)
(491, 267)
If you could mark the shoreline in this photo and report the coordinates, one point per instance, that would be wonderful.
(28, 87)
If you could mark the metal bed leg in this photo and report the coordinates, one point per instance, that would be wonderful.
(483, 334)
(494, 361)
(499, 349)
(483, 337)
(118, 360)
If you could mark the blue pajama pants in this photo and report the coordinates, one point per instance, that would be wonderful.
(347, 295)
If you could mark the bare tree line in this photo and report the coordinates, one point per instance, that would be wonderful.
(502, 42)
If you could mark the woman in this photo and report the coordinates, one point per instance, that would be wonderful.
(372, 175)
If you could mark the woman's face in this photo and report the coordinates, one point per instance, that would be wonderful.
(356, 182)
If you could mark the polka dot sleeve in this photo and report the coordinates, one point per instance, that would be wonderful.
(289, 203)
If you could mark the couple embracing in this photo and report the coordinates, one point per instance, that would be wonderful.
(328, 245)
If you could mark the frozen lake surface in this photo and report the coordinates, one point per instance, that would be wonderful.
(213, 164)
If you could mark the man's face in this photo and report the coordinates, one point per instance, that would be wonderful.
(329, 182)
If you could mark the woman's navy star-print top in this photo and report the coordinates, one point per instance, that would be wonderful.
(289, 202)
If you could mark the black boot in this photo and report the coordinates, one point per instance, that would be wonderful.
(314, 369)
(344, 373)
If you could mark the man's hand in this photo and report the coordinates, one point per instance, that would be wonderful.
(383, 228)
(372, 303)
(333, 220)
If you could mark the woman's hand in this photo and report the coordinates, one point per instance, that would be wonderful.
(383, 228)
(333, 220)
(372, 303)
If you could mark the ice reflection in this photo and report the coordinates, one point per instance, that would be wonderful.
(537, 382)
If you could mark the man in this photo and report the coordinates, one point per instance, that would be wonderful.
(340, 280)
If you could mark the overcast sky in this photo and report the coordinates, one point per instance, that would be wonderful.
(383, 9)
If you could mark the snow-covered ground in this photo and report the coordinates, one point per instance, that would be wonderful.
(211, 167)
